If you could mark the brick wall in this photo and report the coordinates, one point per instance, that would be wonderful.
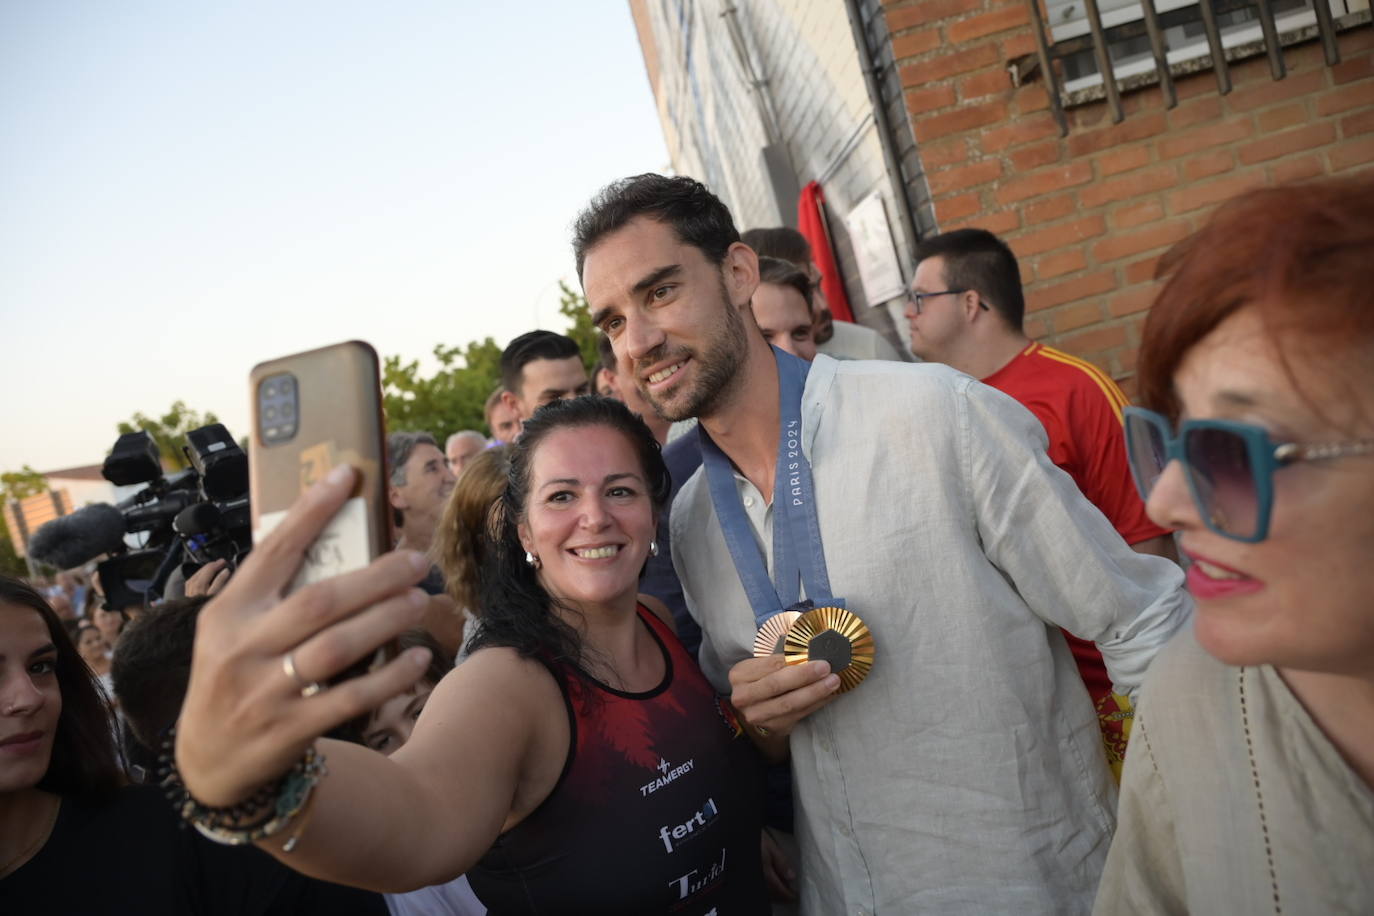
(1088, 215)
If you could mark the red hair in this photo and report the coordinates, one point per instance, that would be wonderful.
(1301, 254)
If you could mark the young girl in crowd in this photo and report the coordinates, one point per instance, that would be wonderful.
(1249, 784)
(576, 762)
(74, 838)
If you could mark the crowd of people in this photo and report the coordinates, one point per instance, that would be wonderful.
(760, 615)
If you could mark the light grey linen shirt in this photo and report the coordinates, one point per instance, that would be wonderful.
(1233, 800)
(966, 774)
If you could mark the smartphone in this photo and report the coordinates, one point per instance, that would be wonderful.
(313, 411)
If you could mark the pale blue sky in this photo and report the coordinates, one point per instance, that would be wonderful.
(189, 188)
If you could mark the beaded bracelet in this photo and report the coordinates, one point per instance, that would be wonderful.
(265, 813)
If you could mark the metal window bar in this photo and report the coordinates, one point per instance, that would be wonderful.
(1103, 52)
(1152, 25)
(1160, 53)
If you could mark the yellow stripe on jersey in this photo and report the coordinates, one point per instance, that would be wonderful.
(1115, 397)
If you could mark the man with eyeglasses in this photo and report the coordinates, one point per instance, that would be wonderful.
(965, 308)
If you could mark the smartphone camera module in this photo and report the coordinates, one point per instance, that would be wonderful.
(277, 408)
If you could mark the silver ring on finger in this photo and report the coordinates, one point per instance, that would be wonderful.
(308, 688)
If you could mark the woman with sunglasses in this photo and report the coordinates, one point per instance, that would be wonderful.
(1249, 784)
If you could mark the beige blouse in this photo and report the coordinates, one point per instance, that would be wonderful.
(1234, 801)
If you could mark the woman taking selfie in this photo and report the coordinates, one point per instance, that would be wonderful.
(576, 762)
(1249, 784)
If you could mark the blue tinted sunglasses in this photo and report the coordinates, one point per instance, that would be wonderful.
(1229, 466)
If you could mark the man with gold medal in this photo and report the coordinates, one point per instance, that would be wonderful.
(964, 774)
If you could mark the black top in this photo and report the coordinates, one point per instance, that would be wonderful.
(656, 811)
(132, 855)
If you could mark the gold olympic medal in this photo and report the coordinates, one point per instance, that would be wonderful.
(838, 637)
(769, 640)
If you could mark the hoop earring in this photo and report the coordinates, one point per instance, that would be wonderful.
(532, 560)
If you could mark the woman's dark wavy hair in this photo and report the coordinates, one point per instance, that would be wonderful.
(83, 762)
(517, 610)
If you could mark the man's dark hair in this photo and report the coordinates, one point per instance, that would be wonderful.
(978, 260)
(784, 273)
(697, 216)
(528, 347)
(779, 242)
(153, 666)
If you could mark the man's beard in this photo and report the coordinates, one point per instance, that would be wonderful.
(718, 366)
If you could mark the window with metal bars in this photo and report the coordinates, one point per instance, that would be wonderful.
(1089, 50)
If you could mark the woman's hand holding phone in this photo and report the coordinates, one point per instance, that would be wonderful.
(254, 702)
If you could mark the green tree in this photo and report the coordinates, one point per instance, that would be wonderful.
(573, 306)
(16, 485)
(169, 431)
(447, 401)
(453, 397)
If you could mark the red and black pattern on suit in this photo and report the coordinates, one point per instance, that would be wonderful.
(657, 809)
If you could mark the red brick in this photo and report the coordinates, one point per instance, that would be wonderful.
(1206, 193)
(929, 11)
(1339, 100)
(1130, 301)
(1278, 118)
(1094, 341)
(919, 101)
(1058, 263)
(1128, 131)
(1190, 87)
(999, 223)
(1122, 160)
(1291, 141)
(988, 24)
(1186, 115)
(1076, 316)
(1298, 168)
(931, 69)
(1142, 271)
(1044, 181)
(987, 82)
(958, 207)
(1125, 244)
(1130, 215)
(965, 117)
(1036, 128)
(1200, 138)
(1058, 236)
(1033, 157)
(1352, 153)
(964, 176)
(1208, 164)
(1357, 124)
(946, 152)
(1030, 99)
(917, 42)
(1070, 290)
(1295, 85)
(1018, 45)
(1353, 68)
(1354, 41)
(1144, 181)
(1048, 208)
(1035, 328)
